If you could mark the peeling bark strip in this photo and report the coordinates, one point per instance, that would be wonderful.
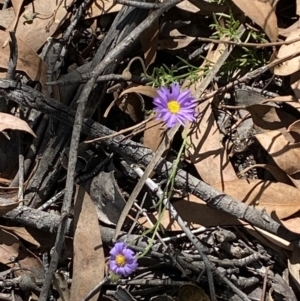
(136, 152)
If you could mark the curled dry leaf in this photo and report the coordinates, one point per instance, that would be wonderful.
(285, 154)
(294, 127)
(262, 13)
(141, 89)
(10, 122)
(293, 65)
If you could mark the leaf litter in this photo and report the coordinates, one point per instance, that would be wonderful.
(245, 146)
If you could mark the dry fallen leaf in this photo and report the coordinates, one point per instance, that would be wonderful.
(101, 7)
(44, 17)
(205, 151)
(28, 60)
(285, 154)
(149, 41)
(262, 13)
(269, 117)
(89, 261)
(10, 122)
(154, 134)
(264, 195)
(11, 247)
(6, 17)
(293, 65)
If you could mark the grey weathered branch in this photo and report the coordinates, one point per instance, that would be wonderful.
(137, 153)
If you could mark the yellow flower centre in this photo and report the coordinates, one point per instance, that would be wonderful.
(174, 106)
(120, 260)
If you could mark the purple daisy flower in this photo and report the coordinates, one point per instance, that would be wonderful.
(173, 106)
(122, 260)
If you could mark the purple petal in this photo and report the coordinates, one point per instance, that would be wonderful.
(113, 266)
(183, 95)
(172, 120)
(120, 271)
(163, 96)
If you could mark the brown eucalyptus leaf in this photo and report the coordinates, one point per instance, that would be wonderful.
(270, 196)
(262, 13)
(154, 134)
(269, 117)
(149, 41)
(12, 247)
(101, 7)
(205, 150)
(276, 172)
(10, 122)
(6, 17)
(285, 154)
(188, 6)
(89, 260)
(293, 65)
(28, 60)
(51, 14)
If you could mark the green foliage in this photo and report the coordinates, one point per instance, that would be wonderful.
(164, 75)
(250, 57)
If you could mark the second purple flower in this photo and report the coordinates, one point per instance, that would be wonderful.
(173, 106)
(122, 260)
